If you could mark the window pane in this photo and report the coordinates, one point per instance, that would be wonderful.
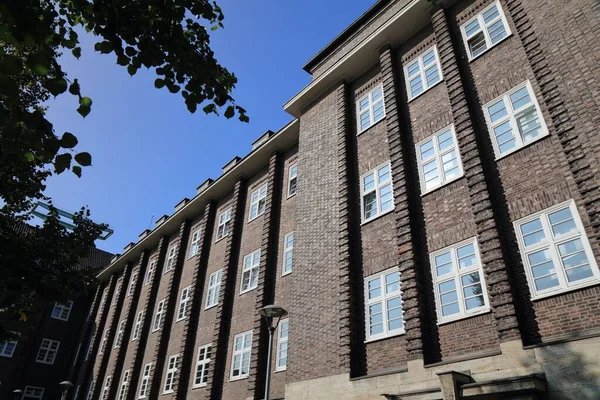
(490, 14)
(368, 182)
(432, 75)
(497, 32)
(477, 44)
(386, 198)
(466, 256)
(471, 279)
(546, 282)
(575, 260)
(428, 57)
(445, 140)
(529, 125)
(450, 309)
(363, 103)
(378, 111)
(392, 282)
(472, 27)
(474, 302)
(497, 111)
(449, 297)
(416, 86)
(374, 288)
(377, 94)
(370, 205)
(577, 274)
(447, 286)
(520, 98)
(562, 222)
(427, 150)
(532, 232)
(384, 174)
(413, 68)
(443, 264)
(570, 247)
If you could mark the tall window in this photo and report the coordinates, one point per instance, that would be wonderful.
(138, 325)
(171, 258)
(292, 180)
(423, 73)
(370, 108)
(183, 303)
(282, 345)
(117, 291)
(555, 251)
(90, 391)
(224, 224)
(89, 349)
(103, 342)
(106, 388)
(7, 349)
(485, 30)
(240, 363)
(458, 281)
(47, 352)
(195, 244)
(171, 371)
(132, 282)
(214, 289)
(144, 381)
(258, 200)
(383, 305)
(250, 271)
(120, 333)
(77, 390)
(160, 311)
(376, 192)
(33, 392)
(150, 272)
(201, 376)
(288, 253)
(439, 160)
(514, 120)
(62, 311)
(77, 353)
(124, 385)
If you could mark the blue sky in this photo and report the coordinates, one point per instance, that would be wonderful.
(148, 151)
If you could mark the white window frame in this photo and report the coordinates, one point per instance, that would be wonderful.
(89, 349)
(224, 225)
(202, 365)
(456, 275)
(288, 249)
(77, 390)
(124, 385)
(103, 342)
(171, 371)
(511, 117)
(250, 269)
(551, 243)
(195, 243)
(437, 156)
(118, 288)
(377, 190)
(132, 282)
(137, 327)
(171, 256)
(145, 379)
(33, 392)
(382, 299)
(280, 342)
(370, 108)
(5, 346)
(61, 312)
(484, 28)
(256, 202)
(120, 333)
(47, 353)
(245, 337)
(292, 177)
(106, 388)
(158, 315)
(90, 390)
(76, 353)
(150, 272)
(214, 289)
(184, 299)
(422, 74)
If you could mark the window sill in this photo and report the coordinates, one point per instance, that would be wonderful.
(168, 392)
(378, 339)
(192, 256)
(435, 189)
(286, 273)
(280, 370)
(557, 292)
(255, 218)
(247, 290)
(471, 59)
(44, 362)
(370, 127)
(377, 217)
(180, 319)
(199, 386)
(537, 139)
(289, 196)
(467, 316)
(410, 98)
(211, 306)
(239, 378)
(219, 239)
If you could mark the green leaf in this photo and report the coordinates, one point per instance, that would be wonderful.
(56, 86)
(74, 89)
(85, 106)
(76, 170)
(69, 44)
(130, 51)
(68, 141)
(8, 86)
(122, 60)
(11, 65)
(84, 159)
(39, 63)
(230, 112)
(62, 162)
(210, 108)
(29, 156)
(173, 88)
(77, 52)
(132, 69)
(159, 83)
(104, 47)
(214, 27)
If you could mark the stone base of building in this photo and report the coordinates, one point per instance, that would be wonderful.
(569, 370)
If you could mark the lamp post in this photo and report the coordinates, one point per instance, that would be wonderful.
(64, 389)
(17, 394)
(271, 313)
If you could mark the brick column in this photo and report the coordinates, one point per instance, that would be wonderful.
(220, 342)
(84, 338)
(496, 274)
(265, 292)
(195, 306)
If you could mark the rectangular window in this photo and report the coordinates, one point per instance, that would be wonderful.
(77, 390)
(150, 272)
(89, 349)
(214, 289)
(138, 326)
(103, 342)
(423, 73)
(240, 362)
(47, 352)
(171, 258)
(292, 180)
(124, 386)
(160, 311)
(370, 108)
(62, 311)
(171, 371)
(439, 160)
(132, 282)
(258, 200)
(201, 376)
(383, 305)
(250, 271)
(376, 192)
(7, 349)
(117, 291)
(106, 388)
(195, 244)
(90, 391)
(144, 381)
(514, 120)
(224, 224)
(120, 332)
(183, 303)
(555, 251)
(33, 392)
(458, 281)
(485, 30)
(282, 345)
(77, 353)
(288, 253)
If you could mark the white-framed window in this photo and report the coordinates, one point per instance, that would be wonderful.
(137, 327)
(120, 333)
(183, 303)
(90, 391)
(77, 353)
(383, 305)
(292, 180)
(370, 108)
(33, 392)
(555, 250)
(7, 349)
(171, 371)
(224, 224)
(195, 244)
(439, 159)
(158, 317)
(485, 30)
(62, 311)
(48, 351)
(258, 201)
(150, 271)
(514, 120)
(282, 345)
(103, 342)
(124, 385)
(89, 349)
(170, 263)
(214, 289)
(458, 281)
(288, 253)
(77, 391)
(106, 388)
(376, 192)
(240, 361)
(144, 381)
(250, 271)
(117, 291)
(423, 73)
(202, 364)
(132, 282)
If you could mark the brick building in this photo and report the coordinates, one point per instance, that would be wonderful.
(429, 218)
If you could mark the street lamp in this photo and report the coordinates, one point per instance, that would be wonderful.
(64, 389)
(17, 394)
(271, 313)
